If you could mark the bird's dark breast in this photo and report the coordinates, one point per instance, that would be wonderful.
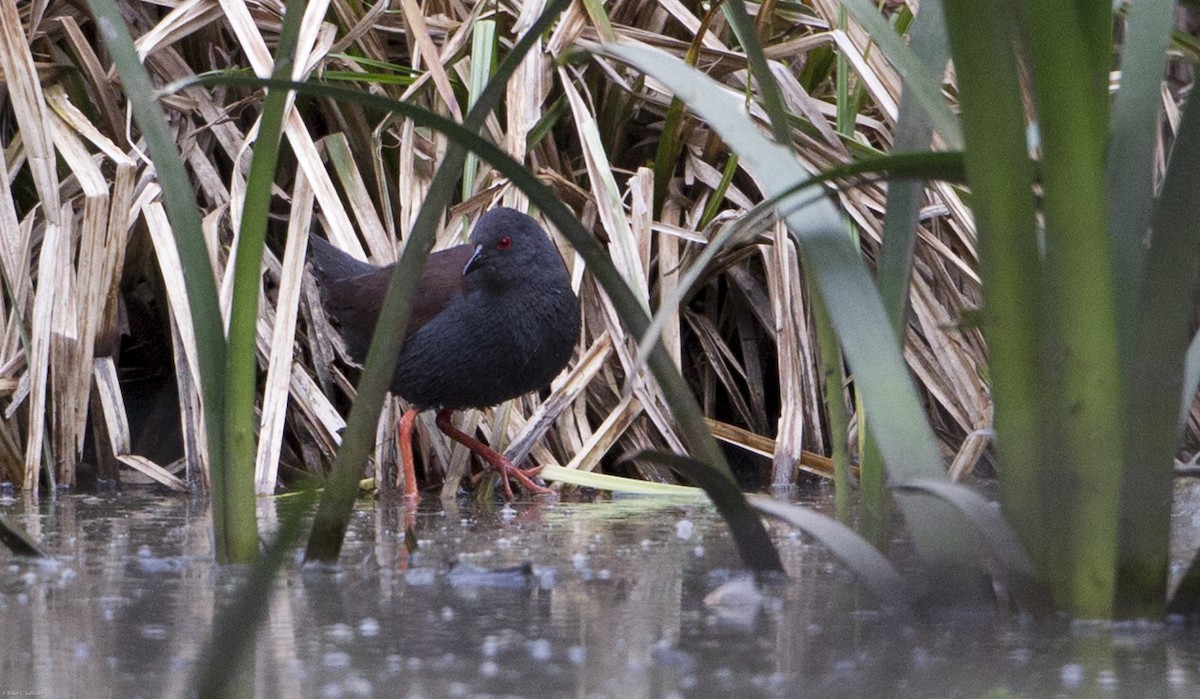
(487, 351)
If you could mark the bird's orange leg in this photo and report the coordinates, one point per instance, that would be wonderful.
(497, 461)
(405, 430)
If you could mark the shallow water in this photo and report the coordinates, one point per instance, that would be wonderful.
(570, 599)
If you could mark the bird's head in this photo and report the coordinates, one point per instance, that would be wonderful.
(509, 247)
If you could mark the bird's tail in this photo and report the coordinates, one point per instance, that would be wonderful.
(331, 263)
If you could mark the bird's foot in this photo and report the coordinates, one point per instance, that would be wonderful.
(506, 470)
(495, 460)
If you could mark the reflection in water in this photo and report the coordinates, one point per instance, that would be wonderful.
(633, 598)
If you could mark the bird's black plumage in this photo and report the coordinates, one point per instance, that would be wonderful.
(491, 320)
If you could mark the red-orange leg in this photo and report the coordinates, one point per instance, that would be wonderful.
(405, 430)
(497, 461)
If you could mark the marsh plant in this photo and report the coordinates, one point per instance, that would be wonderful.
(894, 249)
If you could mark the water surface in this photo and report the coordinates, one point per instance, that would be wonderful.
(626, 598)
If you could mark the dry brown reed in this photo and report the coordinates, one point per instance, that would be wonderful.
(96, 342)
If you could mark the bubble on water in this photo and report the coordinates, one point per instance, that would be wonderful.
(489, 668)
(577, 655)
(684, 529)
(1071, 675)
(340, 632)
(358, 686)
(394, 662)
(369, 627)
(1020, 655)
(921, 657)
(547, 577)
(420, 577)
(540, 649)
(336, 659)
(296, 668)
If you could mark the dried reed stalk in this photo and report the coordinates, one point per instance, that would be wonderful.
(744, 337)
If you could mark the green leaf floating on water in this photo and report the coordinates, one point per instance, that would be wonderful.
(616, 484)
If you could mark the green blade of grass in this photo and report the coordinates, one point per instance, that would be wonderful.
(1186, 600)
(844, 120)
(483, 52)
(595, 10)
(914, 129)
(670, 145)
(1161, 335)
(1131, 147)
(1191, 381)
(1002, 176)
(926, 86)
(855, 308)
(713, 206)
(751, 539)
(837, 413)
(772, 97)
(1012, 565)
(17, 541)
(875, 572)
(1084, 392)
(234, 518)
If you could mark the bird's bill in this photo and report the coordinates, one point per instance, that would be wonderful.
(478, 259)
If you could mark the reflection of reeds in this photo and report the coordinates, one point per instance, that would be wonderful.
(745, 340)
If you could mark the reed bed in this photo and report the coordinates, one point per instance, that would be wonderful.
(98, 360)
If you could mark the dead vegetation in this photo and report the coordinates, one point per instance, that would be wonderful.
(97, 351)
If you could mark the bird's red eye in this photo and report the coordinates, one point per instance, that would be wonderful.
(504, 244)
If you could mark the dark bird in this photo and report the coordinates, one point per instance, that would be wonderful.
(490, 321)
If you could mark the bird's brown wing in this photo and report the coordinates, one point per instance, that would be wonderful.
(441, 281)
(354, 302)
